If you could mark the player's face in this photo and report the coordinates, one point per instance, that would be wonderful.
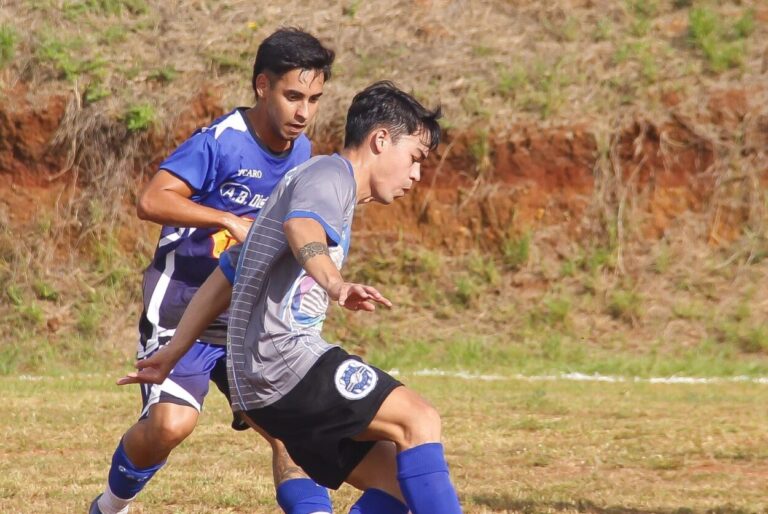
(398, 168)
(291, 101)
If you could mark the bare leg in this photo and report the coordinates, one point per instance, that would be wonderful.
(283, 467)
(149, 441)
(378, 470)
(406, 419)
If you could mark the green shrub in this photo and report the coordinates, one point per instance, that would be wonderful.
(515, 251)
(722, 48)
(624, 305)
(467, 291)
(60, 54)
(7, 44)
(45, 291)
(139, 117)
(165, 74)
(96, 91)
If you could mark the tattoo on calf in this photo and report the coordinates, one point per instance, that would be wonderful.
(310, 250)
(283, 466)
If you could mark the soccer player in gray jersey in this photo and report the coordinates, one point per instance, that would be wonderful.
(342, 420)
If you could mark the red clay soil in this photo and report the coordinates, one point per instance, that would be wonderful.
(534, 177)
(26, 131)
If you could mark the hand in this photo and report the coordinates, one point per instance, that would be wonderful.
(238, 227)
(359, 297)
(152, 370)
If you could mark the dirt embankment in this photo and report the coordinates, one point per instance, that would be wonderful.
(476, 189)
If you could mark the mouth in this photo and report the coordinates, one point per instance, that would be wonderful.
(295, 127)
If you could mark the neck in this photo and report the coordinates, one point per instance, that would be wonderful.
(361, 169)
(259, 120)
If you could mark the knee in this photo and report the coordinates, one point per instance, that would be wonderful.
(421, 425)
(169, 432)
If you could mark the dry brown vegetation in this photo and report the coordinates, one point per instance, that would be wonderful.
(601, 190)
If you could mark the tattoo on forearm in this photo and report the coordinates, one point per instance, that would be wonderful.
(310, 250)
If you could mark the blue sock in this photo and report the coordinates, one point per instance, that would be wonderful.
(374, 501)
(125, 479)
(303, 496)
(423, 476)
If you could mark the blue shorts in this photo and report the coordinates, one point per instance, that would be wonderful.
(188, 382)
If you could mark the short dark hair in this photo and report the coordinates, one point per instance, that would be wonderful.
(383, 105)
(290, 48)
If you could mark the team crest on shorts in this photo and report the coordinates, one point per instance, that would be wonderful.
(355, 379)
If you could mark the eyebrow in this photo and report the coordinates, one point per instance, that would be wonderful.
(289, 92)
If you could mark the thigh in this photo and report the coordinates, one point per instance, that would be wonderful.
(404, 418)
(378, 470)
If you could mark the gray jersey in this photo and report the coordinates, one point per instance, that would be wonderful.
(277, 310)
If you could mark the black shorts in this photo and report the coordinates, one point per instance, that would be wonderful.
(336, 400)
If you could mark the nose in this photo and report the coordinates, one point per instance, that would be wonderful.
(302, 112)
(416, 172)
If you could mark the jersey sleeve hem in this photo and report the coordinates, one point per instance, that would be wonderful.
(226, 266)
(178, 176)
(330, 232)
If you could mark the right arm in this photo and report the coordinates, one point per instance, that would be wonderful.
(307, 240)
(166, 200)
(207, 304)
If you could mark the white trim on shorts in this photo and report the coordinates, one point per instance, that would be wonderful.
(168, 387)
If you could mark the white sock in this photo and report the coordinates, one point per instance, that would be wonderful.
(111, 504)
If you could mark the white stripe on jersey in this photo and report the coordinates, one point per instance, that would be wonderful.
(235, 122)
(153, 309)
(175, 236)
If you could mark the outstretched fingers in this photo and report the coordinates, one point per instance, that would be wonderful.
(357, 297)
(151, 370)
(377, 296)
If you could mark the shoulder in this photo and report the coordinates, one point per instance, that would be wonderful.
(324, 170)
(229, 125)
(302, 143)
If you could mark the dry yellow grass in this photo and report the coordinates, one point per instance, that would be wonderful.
(513, 446)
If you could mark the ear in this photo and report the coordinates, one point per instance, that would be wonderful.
(261, 85)
(379, 140)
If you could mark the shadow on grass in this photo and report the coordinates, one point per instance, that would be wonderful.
(506, 502)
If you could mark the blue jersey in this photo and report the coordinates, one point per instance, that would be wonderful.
(228, 169)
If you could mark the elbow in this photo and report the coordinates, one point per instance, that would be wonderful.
(145, 208)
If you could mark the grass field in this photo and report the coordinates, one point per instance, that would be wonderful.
(513, 446)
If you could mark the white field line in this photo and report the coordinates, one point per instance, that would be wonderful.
(582, 377)
(466, 375)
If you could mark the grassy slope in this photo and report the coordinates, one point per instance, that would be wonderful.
(671, 306)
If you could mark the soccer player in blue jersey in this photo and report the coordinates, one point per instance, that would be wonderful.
(206, 195)
(341, 420)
